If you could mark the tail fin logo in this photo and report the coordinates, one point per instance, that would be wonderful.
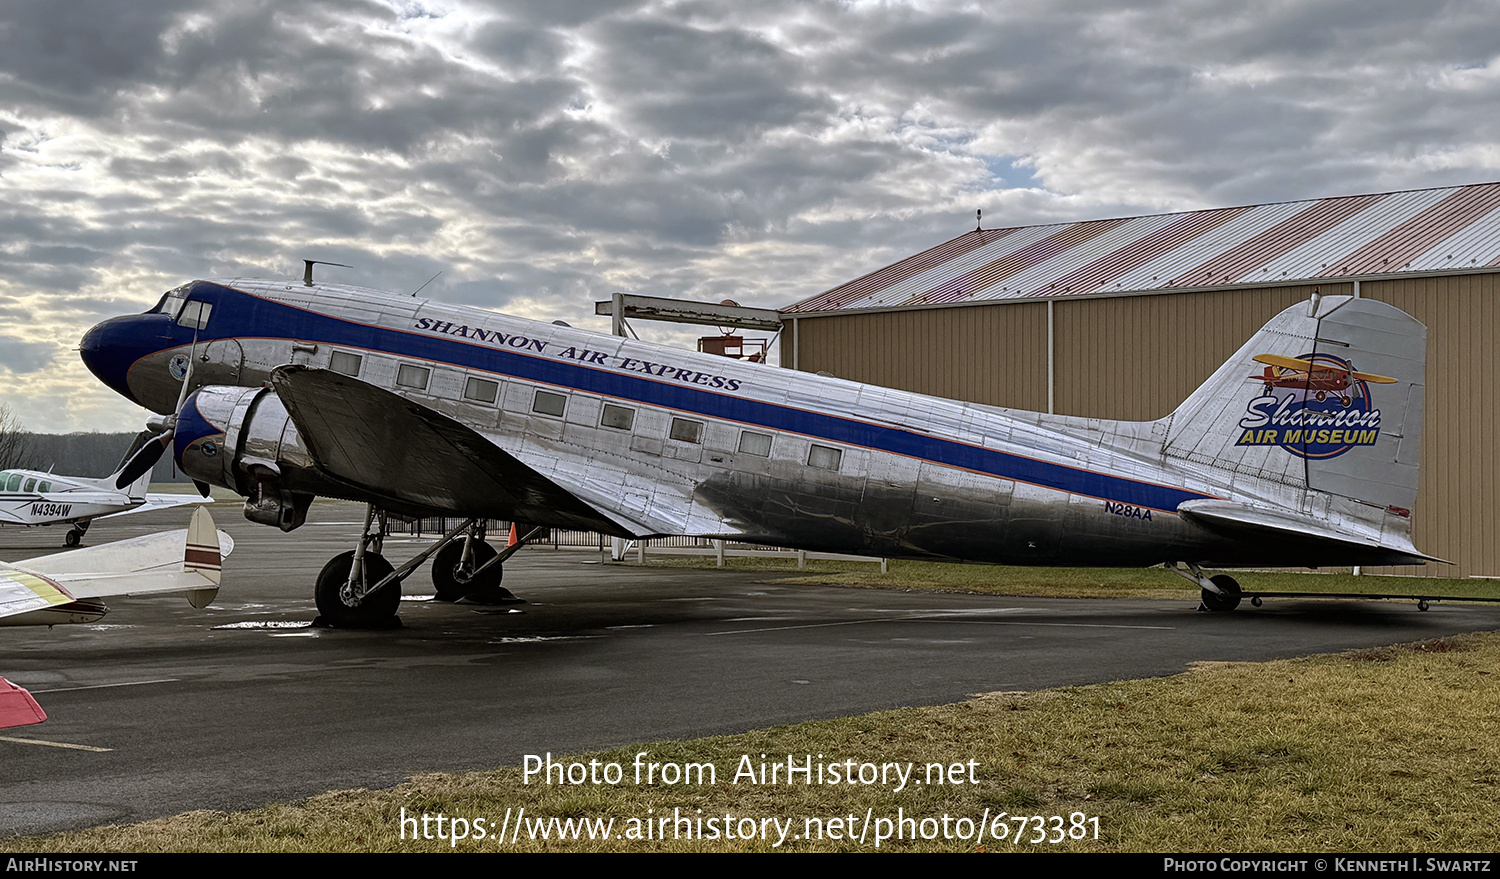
(1314, 406)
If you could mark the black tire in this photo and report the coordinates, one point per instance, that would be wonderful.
(1230, 597)
(450, 585)
(377, 611)
(73, 538)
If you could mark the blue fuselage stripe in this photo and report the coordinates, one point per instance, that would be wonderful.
(247, 316)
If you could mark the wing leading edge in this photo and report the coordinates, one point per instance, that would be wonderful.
(415, 459)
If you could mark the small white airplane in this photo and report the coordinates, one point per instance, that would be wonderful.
(420, 408)
(31, 498)
(71, 587)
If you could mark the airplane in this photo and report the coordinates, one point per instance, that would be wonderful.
(71, 587)
(420, 408)
(31, 498)
(1322, 375)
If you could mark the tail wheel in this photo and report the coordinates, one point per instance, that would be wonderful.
(377, 610)
(1228, 598)
(452, 583)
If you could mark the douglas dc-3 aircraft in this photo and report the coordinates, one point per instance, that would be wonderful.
(29, 497)
(70, 587)
(420, 408)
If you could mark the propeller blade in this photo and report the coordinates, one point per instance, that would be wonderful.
(143, 460)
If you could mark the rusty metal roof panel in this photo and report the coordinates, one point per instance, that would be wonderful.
(915, 283)
(1067, 267)
(1360, 235)
(1477, 244)
(1322, 255)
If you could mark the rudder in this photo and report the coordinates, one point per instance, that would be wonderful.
(1327, 396)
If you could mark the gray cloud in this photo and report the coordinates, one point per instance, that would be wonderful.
(544, 155)
(19, 356)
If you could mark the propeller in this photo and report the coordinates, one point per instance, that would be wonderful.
(152, 443)
(159, 432)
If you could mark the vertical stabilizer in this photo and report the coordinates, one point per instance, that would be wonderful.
(200, 555)
(1327, 397)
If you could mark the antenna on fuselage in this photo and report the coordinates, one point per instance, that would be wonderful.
(307, 280)
(429, 281)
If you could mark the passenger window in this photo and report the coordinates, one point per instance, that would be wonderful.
(44, 487)
(687, 431)
(30, 484)
(824, 458)
(481, 390)
(344, 362)
(752, 443)
(195, 314)
(617, 417)
(548, 403)
(415, 377)
(14, 483)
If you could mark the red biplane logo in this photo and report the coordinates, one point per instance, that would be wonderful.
(1314, 406)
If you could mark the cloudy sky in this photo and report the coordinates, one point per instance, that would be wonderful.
(542, 155)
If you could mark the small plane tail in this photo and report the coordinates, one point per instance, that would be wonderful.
(1323, 407)
(187, 561)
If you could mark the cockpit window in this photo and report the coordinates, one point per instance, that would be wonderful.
(171, 301)
(14, 483)
(195, 314)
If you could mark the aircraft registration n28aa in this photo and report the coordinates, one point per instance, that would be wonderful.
(422, 408)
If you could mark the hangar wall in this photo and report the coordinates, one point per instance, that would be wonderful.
(1137, 357)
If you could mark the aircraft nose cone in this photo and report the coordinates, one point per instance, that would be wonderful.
(108, 350)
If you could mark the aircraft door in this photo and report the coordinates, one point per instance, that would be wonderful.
(221, 362)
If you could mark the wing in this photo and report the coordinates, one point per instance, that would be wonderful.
(413, 458)
(161, 502)
(22, 592)
(172, 561)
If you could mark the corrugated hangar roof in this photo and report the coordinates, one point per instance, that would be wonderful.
(1416, 231)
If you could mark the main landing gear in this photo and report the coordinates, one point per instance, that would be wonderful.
(75, 534)
(361, 590)
(1220, 593)
(467, 570)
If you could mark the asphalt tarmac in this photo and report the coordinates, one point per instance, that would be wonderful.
(160, 708)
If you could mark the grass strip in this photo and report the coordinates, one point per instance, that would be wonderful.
(1383, 750)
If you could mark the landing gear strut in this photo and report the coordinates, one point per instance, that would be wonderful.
(359, 589)
(1228, 596)
(1221, 592)
(469, 570)
(75, 534)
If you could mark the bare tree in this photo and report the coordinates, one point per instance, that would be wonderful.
(15, 442)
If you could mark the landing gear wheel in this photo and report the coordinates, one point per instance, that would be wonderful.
(377, 611)
(1228, 600)
(452, 584)
(73, 538)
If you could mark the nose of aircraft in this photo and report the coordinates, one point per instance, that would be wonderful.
(109, 350)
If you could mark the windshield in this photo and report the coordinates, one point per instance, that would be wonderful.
(171, 302)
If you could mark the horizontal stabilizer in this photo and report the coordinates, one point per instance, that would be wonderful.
(1251, 522)
(185, 560)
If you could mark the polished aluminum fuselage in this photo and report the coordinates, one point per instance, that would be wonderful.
(916, 476)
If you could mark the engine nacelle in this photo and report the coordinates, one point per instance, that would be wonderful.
(244, 440)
